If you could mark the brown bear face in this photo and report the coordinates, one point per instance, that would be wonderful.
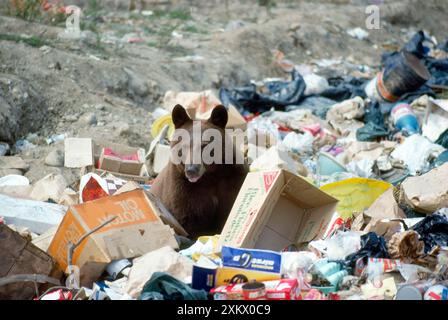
(198, 146)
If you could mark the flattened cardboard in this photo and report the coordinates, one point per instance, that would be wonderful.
(137, 230)
(18, 256)
(78, 152)
(275, 209)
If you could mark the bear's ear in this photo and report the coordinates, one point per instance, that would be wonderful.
(179, 116)
(219, 116)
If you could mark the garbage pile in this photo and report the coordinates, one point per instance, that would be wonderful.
(346, 199)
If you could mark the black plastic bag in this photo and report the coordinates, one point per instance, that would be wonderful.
(280, 94)
(372, 246)
(433, 229)
(163, 286)
(345, 88)
(318, 105)
(443, 139)
(374, 124)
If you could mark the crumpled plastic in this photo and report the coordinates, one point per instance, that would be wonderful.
(443, 139)
(372, 246)
(318, 105)
(433, 229)
(299, 143)
(339, 246)
(263, 132)
(163, 259)
(415, 152)
(374, 124)
(162, 286)
(279, 95)
(295, 264)
(205, 246)
(315, 84)
(345, 88)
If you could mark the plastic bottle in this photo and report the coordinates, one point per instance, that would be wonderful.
(404, 119)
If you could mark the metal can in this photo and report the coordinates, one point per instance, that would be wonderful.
(409, 292)
(254, 291)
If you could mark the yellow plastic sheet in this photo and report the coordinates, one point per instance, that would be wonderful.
(159, 123)
(355, 194)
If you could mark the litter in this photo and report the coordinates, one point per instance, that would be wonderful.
(345, 199)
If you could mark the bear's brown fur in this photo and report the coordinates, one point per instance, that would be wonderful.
(200, 196)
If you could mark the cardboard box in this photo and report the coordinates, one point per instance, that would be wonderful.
(242, 264)
(18, 256)
(283, 289)
(109, 161)
(88, 153)
(275, 209)
(137, 230)
(112, 161)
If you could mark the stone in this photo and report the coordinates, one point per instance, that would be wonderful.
(89, 119)
(55, 159)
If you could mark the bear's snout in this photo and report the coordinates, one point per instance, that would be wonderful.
(194, 171)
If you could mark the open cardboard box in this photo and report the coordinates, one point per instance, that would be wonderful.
(275, 209)
(86, 153)
(138, 229)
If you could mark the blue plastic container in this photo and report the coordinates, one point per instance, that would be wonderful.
(404, 119)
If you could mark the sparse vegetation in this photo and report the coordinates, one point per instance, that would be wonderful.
(183, 15)
(37, 10)
(31, 41)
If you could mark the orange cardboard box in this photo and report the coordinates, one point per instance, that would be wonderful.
(137, 230)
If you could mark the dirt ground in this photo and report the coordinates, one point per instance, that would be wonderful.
(106, 84)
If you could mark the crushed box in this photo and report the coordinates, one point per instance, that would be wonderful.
(137, 230)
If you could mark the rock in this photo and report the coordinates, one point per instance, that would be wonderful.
(6, 172)
(22, 109)
(234, 25)
(4, 148)
(100, 107)
(55, 159)
(136, 85)
(89, 119)
(45, 49)
(123, 128)
(71, 118)
(13, 163)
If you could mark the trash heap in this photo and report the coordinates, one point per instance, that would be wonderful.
(346, 199)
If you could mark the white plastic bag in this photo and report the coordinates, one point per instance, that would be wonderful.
(415, 152)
